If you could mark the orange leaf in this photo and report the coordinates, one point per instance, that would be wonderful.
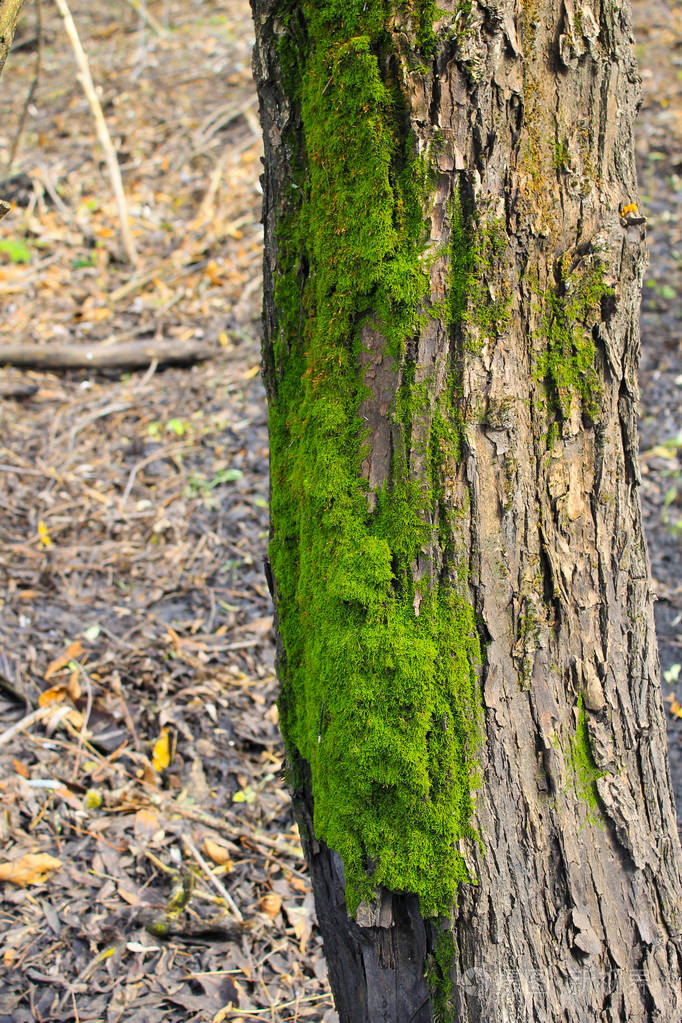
(55, 694)
(71, 652)
(32, 868)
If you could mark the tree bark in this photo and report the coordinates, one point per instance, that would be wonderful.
(9, 15)
(508, 405)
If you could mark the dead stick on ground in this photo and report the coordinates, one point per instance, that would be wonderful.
(127, 355)
(102, 130)
(210, 876)
(25, 722)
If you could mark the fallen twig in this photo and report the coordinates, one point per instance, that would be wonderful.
(210, 876)
(25, 722)
(129, 355)
(153, 23)
(167, 452)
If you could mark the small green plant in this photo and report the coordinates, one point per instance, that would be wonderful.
(199, 486)
(177, 426)
(16, 249)
(83, 261)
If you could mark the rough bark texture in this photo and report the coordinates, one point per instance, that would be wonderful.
(9, 15)
(526, 111)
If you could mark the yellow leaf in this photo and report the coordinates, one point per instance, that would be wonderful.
(43, 534)
(675, 708)
(32, 868)
(161, 752)
(245, 795)
(250, 373)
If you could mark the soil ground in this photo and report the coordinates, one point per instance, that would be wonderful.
(135, 633)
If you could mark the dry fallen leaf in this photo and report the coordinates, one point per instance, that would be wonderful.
(301, 919)
(71, 652)
(271, 904)
(55, 694)
(161, 752)
(147, 827)
(217, 853)
(32, 868)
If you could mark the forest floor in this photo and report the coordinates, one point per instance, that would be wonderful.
(136, 653)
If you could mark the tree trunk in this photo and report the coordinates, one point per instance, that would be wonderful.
(470, 684)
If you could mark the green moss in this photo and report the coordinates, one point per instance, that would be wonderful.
(528, 631)
(379, 700)
(567, 364)
(480, 298)
(581, 763)
(439, 970)
(561, 155)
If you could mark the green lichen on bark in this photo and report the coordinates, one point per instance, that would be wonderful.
(379, 700)
(480, 300)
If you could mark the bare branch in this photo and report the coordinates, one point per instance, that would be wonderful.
(102, 129)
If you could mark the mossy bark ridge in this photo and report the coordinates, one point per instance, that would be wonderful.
(470, 696)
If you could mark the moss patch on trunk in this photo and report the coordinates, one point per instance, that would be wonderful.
(380, 699)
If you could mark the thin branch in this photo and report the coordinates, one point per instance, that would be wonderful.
(25, 722)
(147, 16)
(102, 130)
(210, 876)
